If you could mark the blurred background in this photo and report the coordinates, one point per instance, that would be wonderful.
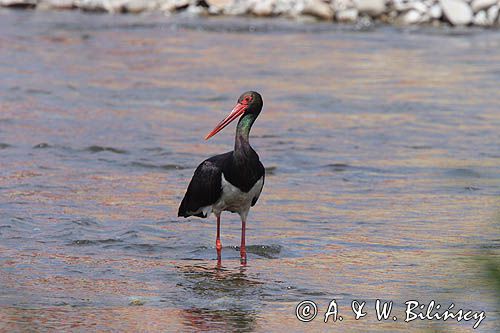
(480, 13)
(381, 151)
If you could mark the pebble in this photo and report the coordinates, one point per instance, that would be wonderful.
(318, 8)
(237, 7)
(457, 12)
(18, 3)
(174, 5)
(411, 17)
(401, 5)
(478, 5)
(91, 5)
(195, 10)
(263, 7)
(339, 5)
(285, 7)
(56, 4)
(219, 3)
(370, 7)
(481, 18)
(436, 12)
(421, 7)
(347, 15)
(136, 302)
(139, 6)
(492, 14)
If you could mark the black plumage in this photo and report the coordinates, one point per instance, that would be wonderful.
(205, 187)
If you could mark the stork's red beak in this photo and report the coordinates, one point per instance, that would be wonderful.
(237, 111)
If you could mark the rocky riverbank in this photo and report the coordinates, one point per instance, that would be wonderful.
(401, 12)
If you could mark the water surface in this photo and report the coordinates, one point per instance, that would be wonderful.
(382, 156)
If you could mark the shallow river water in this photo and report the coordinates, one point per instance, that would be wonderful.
(383, 172)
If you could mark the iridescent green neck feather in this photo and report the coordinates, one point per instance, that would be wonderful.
(243, 131)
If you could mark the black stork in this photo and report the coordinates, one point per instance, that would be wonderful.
(231, 181)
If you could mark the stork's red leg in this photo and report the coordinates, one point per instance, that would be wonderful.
(218, 244)
(243, 250)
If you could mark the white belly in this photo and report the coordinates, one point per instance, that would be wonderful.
(234, 200)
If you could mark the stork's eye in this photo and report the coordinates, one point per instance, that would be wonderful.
(247, 99)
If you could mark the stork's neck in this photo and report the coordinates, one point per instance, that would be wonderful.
(241, 143)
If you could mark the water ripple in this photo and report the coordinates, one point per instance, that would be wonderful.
(99, 149)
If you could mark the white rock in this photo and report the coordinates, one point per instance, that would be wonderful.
(195, 10)
(219, 3)
(173, 5)
(237, 7)
(370, 7)
(23, 3)
(167, 6)
(405, 5)
(436, 12)
(214, 10)
(419, 6)
(339, 5)
(457, 12)
(493, 13)
(286, 7)
(115, 6)
(318, 8)
(347, 15)
(138, 6)
(481, 18)
(411, 17)
(56, 4)
(91, 5)
(478, 5)
(263, 7)
(401, 6)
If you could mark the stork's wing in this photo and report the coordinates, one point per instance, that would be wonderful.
(204, 189)
(254, 200)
